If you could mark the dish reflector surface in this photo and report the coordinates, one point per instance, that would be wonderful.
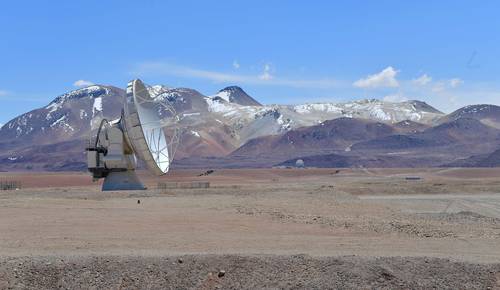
(144, 129)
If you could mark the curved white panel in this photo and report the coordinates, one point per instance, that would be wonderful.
(144, 129)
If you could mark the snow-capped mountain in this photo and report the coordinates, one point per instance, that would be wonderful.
(66, 117)
(58, 131)
(236, 95)
(487, 114)
(256, 121)
(212, 125)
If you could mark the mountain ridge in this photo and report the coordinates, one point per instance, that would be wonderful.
(214, 126)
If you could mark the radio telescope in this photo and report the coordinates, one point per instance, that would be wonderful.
(138, 134)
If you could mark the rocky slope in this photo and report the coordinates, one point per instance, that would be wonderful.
(236, 95)
(348, 142)
(462, 131)
(481, 160)
(329, 136)
(255, 121)
(487, 114)
(443, 145)
(55, 136)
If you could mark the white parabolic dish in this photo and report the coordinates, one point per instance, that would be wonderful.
(143, 128)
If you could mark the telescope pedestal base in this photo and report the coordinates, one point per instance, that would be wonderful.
(122, 180)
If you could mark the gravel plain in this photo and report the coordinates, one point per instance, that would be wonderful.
(244, 272)
(273, 229)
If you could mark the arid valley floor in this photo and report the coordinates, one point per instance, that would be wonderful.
(270, 228)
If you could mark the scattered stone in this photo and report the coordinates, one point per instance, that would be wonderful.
(208, 172)
(247, 272)
(180, 261)
(138, 201)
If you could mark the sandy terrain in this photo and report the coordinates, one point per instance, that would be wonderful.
(369, 228)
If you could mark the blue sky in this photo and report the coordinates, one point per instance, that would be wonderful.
(444, 52)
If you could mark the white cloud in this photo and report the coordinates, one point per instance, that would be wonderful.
(164, 68)
(385, 78)
(396, 98)
(422, 80)
(443, 85)
(236, 64)
(456, 82)
(439, 87)
(82, 83)
(441, 95)
(266, 74)
(3, 93)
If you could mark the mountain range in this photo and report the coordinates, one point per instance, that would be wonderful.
(232, 129)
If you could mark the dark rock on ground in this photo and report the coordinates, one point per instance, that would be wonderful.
(244, 272)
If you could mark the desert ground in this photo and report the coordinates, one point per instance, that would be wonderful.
(255, 229)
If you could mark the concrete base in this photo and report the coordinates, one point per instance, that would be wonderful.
(123, 180)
